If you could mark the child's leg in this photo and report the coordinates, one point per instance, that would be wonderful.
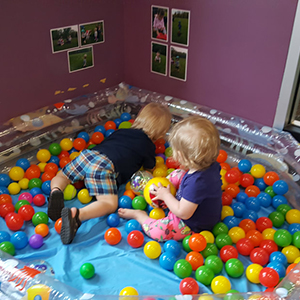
(139, 215)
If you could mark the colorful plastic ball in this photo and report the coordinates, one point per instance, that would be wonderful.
(23, 163)
(125, 202)
(55, 149)
(36, 241)
(113, 236)
(259, 256)
(282, 238)
(234, 268)
(259, 182)
(42, 229)
(19, 239)
(222, 240)
(152, 249)
(172, 246)
(255, 237)
(269, 245)
(226, 199)
(252, 191)
(227, 211)
(232, 176)
(4, 180)
(139, 202)
(14, 188)
(132, 225)
(252, 273)
(84, 196)
(238, 209)
(16, 173)
(252, 203)
(6, 208)
(20, 203)
(25, 196)
(258, 171)
(157, 213)
(222, 156)
(54, 159)
(40, 217)
(204, 275)
(293, 228)
(109, 132)
(35, 182)
(236, 233)
(291, 252)
(250, 214)
(135, 238)
(290, 268)
(247, 225)
(231, 221)
(4, 236)
(209, 237)
(220, 285)
(79, 144)
(278, 267)
(195, 259)
(128, 291)
(246, 180)
(228, 252)
(70, 192)
(66, 144)
(87, 270)
(278, 200)
(244, 246)
(283, 208)
(167, 260)
(263, 223)
(84, 135)
(245, 165)
(268, 277)
(33, 172)
(35, 191)
(189, 286)
(232, 190)
(280, 187)
(39, 200)
(7, 247)
(5, 198)
(293, 216)
(210, 249)
(14, 221)
(43, 155)
(100, 128)
(23, 183)
(277, 219)
(215, 263)
(113, 220)
(4, 190)
(182, 268)
(278, 257)
(57, 225)
(220, 227)
(296, 239)
(197, 242)
(269, 191)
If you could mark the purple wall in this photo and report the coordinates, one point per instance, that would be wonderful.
(237, 53)
(30, 74)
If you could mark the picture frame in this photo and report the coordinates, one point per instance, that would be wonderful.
(80, 59)
(178, 63)
(180, 27)
(91, 33)
(159, 58)
(159, 23)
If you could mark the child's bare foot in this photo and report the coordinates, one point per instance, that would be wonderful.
(136, 214)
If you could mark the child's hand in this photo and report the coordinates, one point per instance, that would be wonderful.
(160, 192)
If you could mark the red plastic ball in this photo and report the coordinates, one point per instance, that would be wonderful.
(33, 172)
(64, 161)
(247, 225)
(171, 163)
(79, 184)
(57, 225)
(226, 199)
(97, 137)
(222, 156)
(268, 277)
(113, 236)
(6, 208)
(255, 237)
(79, 144)
(26, 212)
(48, 176)
(197, 242)
(225, 166)
(5, 198)
(232, 190)
(189, 286)
(244, 246)
(135, 239)
(159, 142)
(227, 252)
(110, 125)
(246, 180)
(259, 256)
(51, 167)
(63, 154)
(269, 245)
(14, 221)
(39, 200)
(160, 149)
(263, 223)
(232, 176)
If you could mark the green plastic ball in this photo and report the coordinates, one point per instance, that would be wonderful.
(168, 152)
(222, 240)
(204, 275)
(182, 268)
(283, 208)
(269, 191)
(20, 203)
(210, 249)
(185, 244)
(40, 218)
(233, 295)
(35, 182)
(139, 202)
(125, 125)
(282, 238)
(220, 228)
(234, 267)
(215, 263)
(87, 270)
(7, 247)
(55, 149)
(296, 239)
(91, 146)
(277, 218)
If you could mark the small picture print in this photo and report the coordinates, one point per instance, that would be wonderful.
(180, 26)
(159, 27)
(64, 38)
(159, 58)
(178, 63)
(80, 59)
(91, 33)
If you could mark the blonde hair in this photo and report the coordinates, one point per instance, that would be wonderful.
(154, 119)
(195, 142)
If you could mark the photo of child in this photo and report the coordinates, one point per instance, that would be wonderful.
(180, 26)
(159, 23)
(91, 33)
(80, 59)
(178, 63)
(159, 58)
(62, 39)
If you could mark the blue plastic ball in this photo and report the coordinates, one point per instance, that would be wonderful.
(113, 220)
(259, 182)
(279, 257)
(231, 221)
(125, 202)
(250, 214)
(265, 199)
(293, 228)
(54, 159)
(118, 122)
(84, 135)
(245, 165)
(109, 132)
(278, 267)
(167, 144)
(100, 128)
(72, 150)
(46, 187)
(35, 191)
(277, 200)
(4, 236)
(241, 197)
(238, 209)
(125, 116)
(252, 204)
(280, 187)
(4, 180)
(19, 239)
(4, 190)
(132, 225)
(167, 260)
(23, 163)
(172, 246)
(149, 208)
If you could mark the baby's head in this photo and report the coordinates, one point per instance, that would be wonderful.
(85, 56)
(160, 13)
(157, 54)
(154, 119)
(195, 142)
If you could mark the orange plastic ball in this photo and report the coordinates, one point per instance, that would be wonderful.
(252, 191)
(5, 198)
(51, 167)
(57, 225)
(79, 144)
(225, 166)
(197, 242)
(129, 193)
(195, 259)
(42, 229)
(232, 190)
(290, 267)
(63, 154)
(271, 177)
(255, 237)
(97, 137)
(33, 172)
(47, 176)
(113, 236)
(222, 156)
(64, 161)
(110, 125)
(247, 225)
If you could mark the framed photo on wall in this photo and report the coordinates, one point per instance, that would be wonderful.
(180, 26)
(159, 58)
(80, 59)
(159, 23)
(91, 33)
(178, 63)
(64, 38)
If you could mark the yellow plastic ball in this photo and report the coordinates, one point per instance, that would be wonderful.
(258, 171)
(159, 161)
(205, 297)
(159, 172)
(164, 167)
(224, 183)
(252, 273)
(148, 188)
(128, 291)
(254, 297)
(293, 216)
(23, 183)
(223, 172)
(66, 144)
(16, 173)
(84, 196)
(226, 211)
(152, 249)
(70, 192)
(297, 260)
(208, 236)
(127, 186)
(220, 285)
(291, 253)
(268, 234)
(42, 166)
(74, 155)
(14, 188)
(236, 233)
(43, 155)
(157, 213)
